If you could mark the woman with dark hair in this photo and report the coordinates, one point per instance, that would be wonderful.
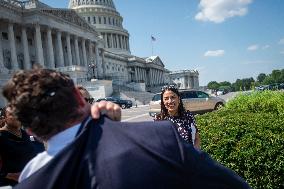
(16, 149)
(172, 109)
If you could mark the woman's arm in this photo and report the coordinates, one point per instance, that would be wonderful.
(197, 141)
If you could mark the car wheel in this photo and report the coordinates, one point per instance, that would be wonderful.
(218, 106)
(123, 106)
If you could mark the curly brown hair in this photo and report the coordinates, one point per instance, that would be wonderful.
(43, 100)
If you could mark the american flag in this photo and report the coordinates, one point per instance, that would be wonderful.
(153, 38)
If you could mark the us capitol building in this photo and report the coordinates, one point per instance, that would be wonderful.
(87, 41)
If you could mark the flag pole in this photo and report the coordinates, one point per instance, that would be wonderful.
(152, 40)
(152, 47)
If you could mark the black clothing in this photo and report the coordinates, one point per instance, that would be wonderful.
(121, 155)
(15, 152)
(182, 123)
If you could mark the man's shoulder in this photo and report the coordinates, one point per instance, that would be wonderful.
(34, 164)
(159, 135)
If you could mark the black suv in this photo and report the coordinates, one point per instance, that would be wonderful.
(121, 102)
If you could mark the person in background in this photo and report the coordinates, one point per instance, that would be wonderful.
(85, 93)
(172, 109)
(2, 118)
(87, 153)
(16, 149)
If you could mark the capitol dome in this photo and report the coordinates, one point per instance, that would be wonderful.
(103, 15)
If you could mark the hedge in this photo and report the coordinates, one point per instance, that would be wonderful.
(248, 136)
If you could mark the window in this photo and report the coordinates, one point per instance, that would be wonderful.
(30, 41)
(100, 20)
(109, 20)
(201, 94)
(18, 39)
(105, 20)
(5, 35)
(188, 94)
(157, 97)
(89, 19)
(94, 19)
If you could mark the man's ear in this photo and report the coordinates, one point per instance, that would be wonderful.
(79, 97)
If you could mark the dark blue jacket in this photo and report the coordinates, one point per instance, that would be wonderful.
(120, 155)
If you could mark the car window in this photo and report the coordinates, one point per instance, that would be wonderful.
(188, 94)
(201, 94)
(156, 97)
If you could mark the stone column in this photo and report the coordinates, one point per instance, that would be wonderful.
(39, 50)
(103, 63)
(124, 41)
(50, 52)
(146, 77)
(160, 77)
(77, 51)
(136, 74)
(27, 60)
(128, 48)
(120, 42)
(117, 41)
(84, 52)
(14, 60)
(97, 59)
(69, 53)
(106, 45)
(59, 48)
(156, 77)
(2, 66)
(152, 76)
(90, 49)
(112, 42)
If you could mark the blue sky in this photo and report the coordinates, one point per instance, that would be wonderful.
(224, 40)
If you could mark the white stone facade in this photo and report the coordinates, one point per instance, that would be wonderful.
(185, 79)
(86, 41)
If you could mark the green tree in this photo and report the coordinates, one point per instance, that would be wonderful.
(282, 76)
(261, 77)
(276, 74)
(268, 80)
(225, 83)
(213, 85)
(237, 86)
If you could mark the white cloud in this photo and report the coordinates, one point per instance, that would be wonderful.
(281, 41)
(215, 53)
(253, 48)
(219, 10)
(265, 47)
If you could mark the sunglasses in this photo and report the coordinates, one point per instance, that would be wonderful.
(89, 100)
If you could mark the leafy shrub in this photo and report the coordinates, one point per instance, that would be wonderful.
(248, 136)
(265, 102)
